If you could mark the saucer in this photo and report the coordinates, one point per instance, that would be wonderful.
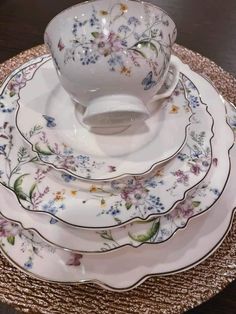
(155, 231)
(40, 188)
(127, 268)
(57, 134)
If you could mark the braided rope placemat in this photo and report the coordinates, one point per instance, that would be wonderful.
(173, 294)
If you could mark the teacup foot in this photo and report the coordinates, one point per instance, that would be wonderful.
(115, 111)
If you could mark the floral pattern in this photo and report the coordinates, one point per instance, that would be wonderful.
(231, 117)
(46, 139)
(124, 37)
(64, 157)
(154, 231)
(38, 187)
(12, 234)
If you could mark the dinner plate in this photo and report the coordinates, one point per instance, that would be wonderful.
(60, 139)
(136, 234)
(126, 268)
(40, 188)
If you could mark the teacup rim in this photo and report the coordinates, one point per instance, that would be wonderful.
(91, 1)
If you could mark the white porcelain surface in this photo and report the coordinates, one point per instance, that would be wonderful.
(127, 268)
(135, 234)
(57, 135)
(39, 188)
(105, 49)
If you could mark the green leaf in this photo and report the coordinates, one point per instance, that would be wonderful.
(11, 240)
(95, 34)
(42, 151)
(147, 236)
(196, 204)
(103, 202)
(12, 93)
(128, 205)
(32, 190)
(154, 48)
(18, 187)
(117, 220)
(139, 52)
(147, 44)
(141, 222)
(106, 235)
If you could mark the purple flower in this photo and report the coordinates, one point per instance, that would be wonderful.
(195, 169)
(107, 44)
(74, 259)
(133, 21)
(8, 229)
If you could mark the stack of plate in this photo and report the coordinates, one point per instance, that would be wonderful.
(82, 206)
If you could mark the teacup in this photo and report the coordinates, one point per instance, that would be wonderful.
(113, 57)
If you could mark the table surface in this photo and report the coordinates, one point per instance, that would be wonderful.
(205, 26)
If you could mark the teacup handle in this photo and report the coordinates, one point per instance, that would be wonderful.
(169, 91)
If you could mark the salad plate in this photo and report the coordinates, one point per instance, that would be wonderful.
(57, 134)
(127, 268)
(42, 189)
(135, 234)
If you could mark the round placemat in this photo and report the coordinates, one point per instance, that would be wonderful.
(173, 294)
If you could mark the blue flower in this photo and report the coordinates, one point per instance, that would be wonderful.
(151, 183)
(67, 177)
(88, 57)
(136, 36)
(124, 29)
(155, 203)
(133, 21)
(2, 149)
(92, 22)
(50, 207)
(233, 122)
(194, 101)
(28, 264)
(215, 191)
(53, 221)
(68, 151)
(115, 212)
(114, 61)
(182, 156)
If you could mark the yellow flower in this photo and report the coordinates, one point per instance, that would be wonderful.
(123, 7)
(126, 71)
(73, 193)
(186, 108)
(159, 173)
(93, 189)
(59, 196)
(103, 12)
(174, 109)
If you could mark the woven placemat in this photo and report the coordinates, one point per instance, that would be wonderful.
(173, 294)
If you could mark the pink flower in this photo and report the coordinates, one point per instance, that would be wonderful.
(181, 176)
(215, 162)
(195, 169)
(15, 85)
(107, 44)
(8, 229)
(134, 194)
(184, 209)
(111, 168)
(74, 259)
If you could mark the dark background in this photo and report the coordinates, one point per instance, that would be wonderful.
(205, 26)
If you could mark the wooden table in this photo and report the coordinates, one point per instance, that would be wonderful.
(205, 26)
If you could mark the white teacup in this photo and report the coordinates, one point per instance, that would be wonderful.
(113, 57)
